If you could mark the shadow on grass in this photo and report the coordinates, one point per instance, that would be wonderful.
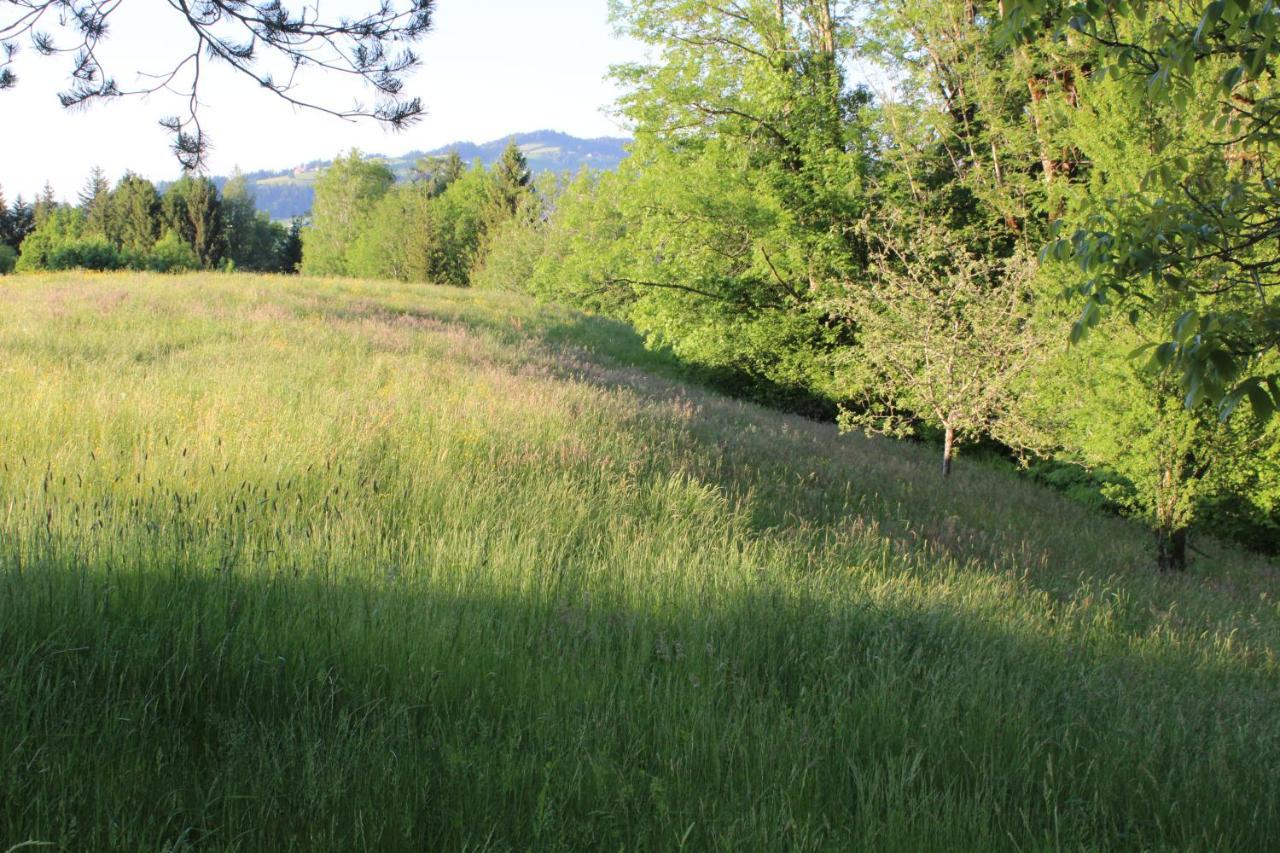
(158, 707)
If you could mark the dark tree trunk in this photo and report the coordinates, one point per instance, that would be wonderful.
(948, 451)
(1171, 549)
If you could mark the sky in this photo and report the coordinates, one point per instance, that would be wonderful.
(489, 68)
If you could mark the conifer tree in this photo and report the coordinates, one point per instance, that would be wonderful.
(511, 180)
(192, 209)
(133, 214)
(22, 221)
(289, 254)
(46, 203)
(94, 201)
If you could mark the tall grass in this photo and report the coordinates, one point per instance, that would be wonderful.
(336, 565)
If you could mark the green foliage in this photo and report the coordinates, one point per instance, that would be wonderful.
(251, 240)
(244, 243)
(399, 239)
(16, 222)
(90, 252)
(8, 259)
(191, 208)
(133, 214)
(1200, 226)
(462, 215)
(720, 241)
(95, 201)
(411, 234)
(61, 241)
(290, 248)
(944, 334)
(113, 229)
(21, 222)
(583, 241)
(510, 181)
(345, 198)
(45, 204)
(440, 172)
(513, 248)
(171, 253)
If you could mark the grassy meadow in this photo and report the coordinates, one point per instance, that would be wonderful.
(304, 564)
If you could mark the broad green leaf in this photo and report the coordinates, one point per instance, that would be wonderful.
(1263, 405)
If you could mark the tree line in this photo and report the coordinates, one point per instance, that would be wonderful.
(1051, 232)
(133, 225)
(438, 226)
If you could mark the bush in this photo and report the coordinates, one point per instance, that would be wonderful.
(511, 251)
(90, 253)
(172, 254)
(58, 230)
(8, 259)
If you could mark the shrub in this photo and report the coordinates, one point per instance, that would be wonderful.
(172, 254)
(60, 228)
(8, 259)
(511, 251)
(90, 253)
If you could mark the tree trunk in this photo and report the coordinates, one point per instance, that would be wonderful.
(1036, 86)
(948, 451)
(1171, 549)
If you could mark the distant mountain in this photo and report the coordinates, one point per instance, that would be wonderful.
(288, 193)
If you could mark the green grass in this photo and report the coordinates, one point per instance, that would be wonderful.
(298, 564)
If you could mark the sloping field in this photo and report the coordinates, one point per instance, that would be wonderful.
(296, 564)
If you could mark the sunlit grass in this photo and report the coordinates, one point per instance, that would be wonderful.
(336, 565)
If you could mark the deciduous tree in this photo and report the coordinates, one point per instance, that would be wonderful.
(344, 199)
(944, 331)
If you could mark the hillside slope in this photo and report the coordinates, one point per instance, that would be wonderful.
(300, 564)
(286, 193)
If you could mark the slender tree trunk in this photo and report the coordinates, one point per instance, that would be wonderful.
(1036, 86)
(948, 451)
(1171, 526)
(1171, 548)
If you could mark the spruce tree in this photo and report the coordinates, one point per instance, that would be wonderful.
(22, 221)
(133, 214)
(94, 201)
(511, 180)
(191, 208)
(46, 203)
(289, 253)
